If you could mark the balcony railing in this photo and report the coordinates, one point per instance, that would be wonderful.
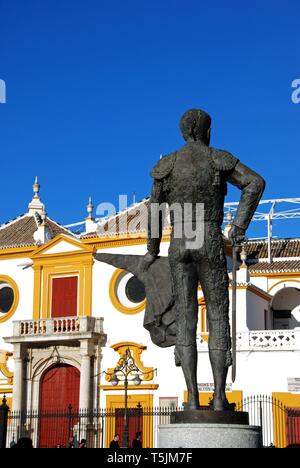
(58, 326)
(260, 340)
(268, 339)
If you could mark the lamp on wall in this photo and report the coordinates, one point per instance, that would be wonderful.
(125, 368)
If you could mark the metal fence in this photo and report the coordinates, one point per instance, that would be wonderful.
(280, 424)
(64, 429)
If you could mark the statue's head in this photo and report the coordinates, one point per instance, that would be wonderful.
(195, 125)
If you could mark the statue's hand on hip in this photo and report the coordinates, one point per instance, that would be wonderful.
(236, 235)
(147, 260)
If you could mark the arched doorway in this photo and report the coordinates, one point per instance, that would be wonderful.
(286, 309)
(59, 388)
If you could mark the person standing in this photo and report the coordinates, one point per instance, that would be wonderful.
(115, 442)
(82, 443)
(137, 442)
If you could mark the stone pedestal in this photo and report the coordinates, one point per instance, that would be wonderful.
(209, 429)
(209, 436)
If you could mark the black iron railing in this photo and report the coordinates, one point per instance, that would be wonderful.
(65, 428)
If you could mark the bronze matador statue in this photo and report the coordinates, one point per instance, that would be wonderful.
(198, 174)
(195, 175)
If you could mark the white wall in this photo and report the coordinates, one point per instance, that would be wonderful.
(24, 280)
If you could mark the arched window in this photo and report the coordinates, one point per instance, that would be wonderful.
(286, 309)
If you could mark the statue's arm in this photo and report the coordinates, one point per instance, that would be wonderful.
(155, 219)
(252, 186)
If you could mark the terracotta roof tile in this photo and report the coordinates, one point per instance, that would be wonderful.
(275, 267)
(19, 232)
(281, 248)
(132, 220)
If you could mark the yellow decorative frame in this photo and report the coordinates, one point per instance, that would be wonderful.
(136, 350)
(114, 402)
(202, 305)
(13, 284)
(48, 266)
(4, 355)
(114, 298)
(282, 281)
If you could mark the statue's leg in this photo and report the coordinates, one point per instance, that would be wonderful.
(214, 281)
(185, 284)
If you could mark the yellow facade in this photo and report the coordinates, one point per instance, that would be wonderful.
(235, 396)
(48, 266)
(114, 402)
(280, 418)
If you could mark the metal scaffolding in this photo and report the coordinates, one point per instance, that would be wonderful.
(268, 210)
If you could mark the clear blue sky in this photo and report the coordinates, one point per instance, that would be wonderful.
(95, 90)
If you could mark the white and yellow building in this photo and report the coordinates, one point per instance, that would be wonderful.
(65, 319)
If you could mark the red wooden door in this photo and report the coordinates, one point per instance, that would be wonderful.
(59, 389)
(135, 423)
(293, 426)
(64, 297)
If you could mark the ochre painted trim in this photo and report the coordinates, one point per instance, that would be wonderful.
(6, 391)
(203, 320)
(13, 284)
(126, 240)
(289, 400)
(46, 268)
(282, 281)
(259, 292)
(88, 287)
(251, 288)
(54, 258)
(136, 350)
(254, 290)
(114, 402)
(277, 275)
(110, 388)
(37, 288)
(47, 296)
(4, 356)
(128, 344)
(59, 260)
(123, 240)
(42, 250)
(114, 298)
(236, 396)
(16, 252)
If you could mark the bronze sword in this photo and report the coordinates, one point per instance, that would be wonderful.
(235, 249)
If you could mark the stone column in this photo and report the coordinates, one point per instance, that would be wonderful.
(86, 383)
(18, 386)
(86, 351)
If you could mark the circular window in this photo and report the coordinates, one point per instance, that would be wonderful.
(9, 298)
(6, 298)
(127, 292)
(135, 290)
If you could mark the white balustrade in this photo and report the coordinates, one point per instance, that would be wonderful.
(272, 339)
(260, 340)
(57, 326)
